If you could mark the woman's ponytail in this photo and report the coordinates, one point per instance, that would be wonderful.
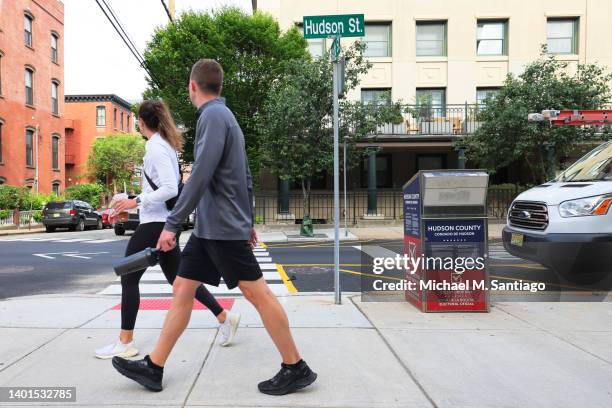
(156, 116)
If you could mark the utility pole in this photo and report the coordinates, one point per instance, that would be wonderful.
(336, 87)
(171, 7)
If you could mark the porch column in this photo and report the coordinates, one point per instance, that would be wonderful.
(550, 161)
(461, 158)
(283, 197)
(372, 206)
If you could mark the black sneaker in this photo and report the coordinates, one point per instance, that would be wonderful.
(140, 371)
(289, 379)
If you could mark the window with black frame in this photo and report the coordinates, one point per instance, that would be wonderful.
(29, 87)
(100, 116)
(54, 98)
(54, 48)
(27, 30)
(29, 147)
(55, 141)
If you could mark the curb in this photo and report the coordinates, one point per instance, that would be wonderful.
(21, 231)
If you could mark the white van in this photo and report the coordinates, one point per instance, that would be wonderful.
(565, 223)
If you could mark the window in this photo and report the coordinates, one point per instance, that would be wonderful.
(384, 175)
(1, 72)
(55, 187)
(115, 118)
(1, 160)
(430, 161)
(483, 93)
(29, 147)
(378, 40)
(29, 87)
(376, 95)
(54, 48)
(100, 116)
(316, 46)
(431, 103)
(431, 39)
(491, 37)
(562, 37)
(54, 100)
(55, 152)
(121, 121)
(27, 30)
(127, 127)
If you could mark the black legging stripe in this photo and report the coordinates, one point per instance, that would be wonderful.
(146, 236)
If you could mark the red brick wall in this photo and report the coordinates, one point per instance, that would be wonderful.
(84, 132)
(15, 115)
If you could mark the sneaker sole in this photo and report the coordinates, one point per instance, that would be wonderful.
(298, 385)
(145, 382)
(132, 353)
(233, 330)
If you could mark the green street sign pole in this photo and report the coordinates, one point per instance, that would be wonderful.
(336, 27)
(336, 87)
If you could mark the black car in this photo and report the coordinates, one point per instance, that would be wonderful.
(74, 214)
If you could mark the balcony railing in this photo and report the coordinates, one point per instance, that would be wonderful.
(422, 120)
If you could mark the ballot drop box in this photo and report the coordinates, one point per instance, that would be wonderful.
(445, 241)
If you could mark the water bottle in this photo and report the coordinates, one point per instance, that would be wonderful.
(136, 262)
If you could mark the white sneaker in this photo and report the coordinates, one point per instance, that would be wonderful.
(117, 349)
(228, 328)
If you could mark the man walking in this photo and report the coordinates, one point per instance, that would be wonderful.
(220, 186)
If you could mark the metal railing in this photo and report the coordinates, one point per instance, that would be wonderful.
(449, 119)
(389, 205)
(26, 218)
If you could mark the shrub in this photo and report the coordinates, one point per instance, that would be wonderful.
(12, 196)
(89, 193)
(5, 213)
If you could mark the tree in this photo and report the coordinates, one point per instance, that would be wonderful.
(89, 193)
(113, 159)
(506, 137)
(296, 121)
(251, 50)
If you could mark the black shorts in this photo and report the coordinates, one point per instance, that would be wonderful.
(208, 260)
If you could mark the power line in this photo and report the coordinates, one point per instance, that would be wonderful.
(167, 11)
(125, 38)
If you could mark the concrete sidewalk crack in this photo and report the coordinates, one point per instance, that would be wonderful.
(555, 335)
(197, 377)
(397, 357)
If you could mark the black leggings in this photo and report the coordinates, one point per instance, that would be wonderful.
(145, 236)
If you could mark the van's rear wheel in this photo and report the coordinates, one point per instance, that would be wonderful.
(50, 229)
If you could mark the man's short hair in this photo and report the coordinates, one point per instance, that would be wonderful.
(208, 74)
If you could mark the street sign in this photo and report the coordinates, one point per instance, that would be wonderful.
(340, 25)
(336, 27)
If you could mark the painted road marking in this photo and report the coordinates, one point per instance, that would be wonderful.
(71, 254)
(63, 240)
(153, 281)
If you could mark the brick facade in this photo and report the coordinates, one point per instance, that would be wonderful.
(82, 129)
(17, 117)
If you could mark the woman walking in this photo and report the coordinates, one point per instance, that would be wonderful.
(160, 182)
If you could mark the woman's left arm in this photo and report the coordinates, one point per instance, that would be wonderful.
(167, 183)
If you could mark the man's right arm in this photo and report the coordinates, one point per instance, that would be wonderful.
(210, 143)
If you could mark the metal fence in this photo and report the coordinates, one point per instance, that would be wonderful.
(26, 218)
(389, 205)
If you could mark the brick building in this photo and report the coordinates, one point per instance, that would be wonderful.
(31, 94)
(89, 117)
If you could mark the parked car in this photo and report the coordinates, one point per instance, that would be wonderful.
(106, 222)
(74, 214)
(565, 223)
(189, 221)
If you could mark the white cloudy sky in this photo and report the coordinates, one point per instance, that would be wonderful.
(97, 61)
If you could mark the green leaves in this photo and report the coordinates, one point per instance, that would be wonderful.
(114, 158)
(251, 49)
(505, 136)
(89, 193)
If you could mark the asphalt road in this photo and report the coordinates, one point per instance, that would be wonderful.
(80, 263)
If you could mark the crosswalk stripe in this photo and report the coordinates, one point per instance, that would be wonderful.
(260, 254)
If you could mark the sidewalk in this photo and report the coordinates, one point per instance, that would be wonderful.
(366, 354)
(22, 230)
(387, 232)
